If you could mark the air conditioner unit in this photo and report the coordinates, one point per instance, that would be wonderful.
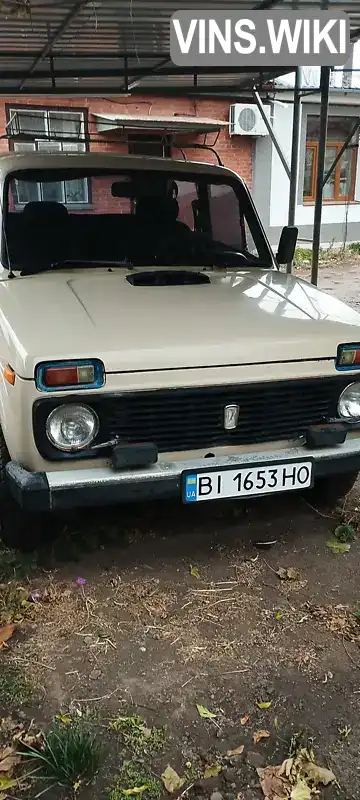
(246, 120)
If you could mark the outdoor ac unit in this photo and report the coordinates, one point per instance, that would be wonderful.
(246, 120)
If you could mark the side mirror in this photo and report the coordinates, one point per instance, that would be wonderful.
(287, 244)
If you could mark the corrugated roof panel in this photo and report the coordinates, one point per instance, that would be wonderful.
(81, 44)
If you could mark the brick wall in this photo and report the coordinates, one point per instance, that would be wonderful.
(235, 152)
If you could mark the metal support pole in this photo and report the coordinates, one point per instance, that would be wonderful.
(294, 153)
(271, 132)
(126, 75)
(341, 151)
(324, 88)
(52, 72)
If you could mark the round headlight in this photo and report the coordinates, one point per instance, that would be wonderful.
(349, 402)
(72, 427)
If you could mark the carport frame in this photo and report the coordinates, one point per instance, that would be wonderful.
(163, 67)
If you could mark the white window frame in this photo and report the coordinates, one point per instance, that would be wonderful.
(64, 146)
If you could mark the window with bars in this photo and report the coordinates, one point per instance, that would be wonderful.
(340, 187)
(48, 131)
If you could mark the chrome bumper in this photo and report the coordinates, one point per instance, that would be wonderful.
(63, 489)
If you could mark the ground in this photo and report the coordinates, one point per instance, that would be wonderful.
(180, 606)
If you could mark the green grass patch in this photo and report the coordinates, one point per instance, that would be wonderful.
(354, 247)
(135, 780)
(70, 756)
(138, 737)
(345, 533)
(302, 256)
(15, 688)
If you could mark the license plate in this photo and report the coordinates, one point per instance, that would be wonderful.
(247, 481)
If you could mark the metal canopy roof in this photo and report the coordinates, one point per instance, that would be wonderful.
(115, 46)
(154, 122)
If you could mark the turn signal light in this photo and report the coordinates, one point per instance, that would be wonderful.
(9, 374)
(348, 356)
(61, 375)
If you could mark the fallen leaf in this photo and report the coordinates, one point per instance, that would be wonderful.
(244, 720)
(5, 632)
(212, 770)
(260, 735)
(288, 574)
(292, 574)
(7, 783)
(278, 614)
(318, 774)
(134, 790)
(205, 713)
(301, 791)
(264, 705)
(8, 763)
(336, 546)
(6, 751)
(172, 780)
(276, 723)
(237, 751)
(273, 786)
(63, 718)
(194, 572)
(146, 732)
(286, 767)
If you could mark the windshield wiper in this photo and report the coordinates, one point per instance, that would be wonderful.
(99, 262)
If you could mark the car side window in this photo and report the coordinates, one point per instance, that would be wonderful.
(228, 223)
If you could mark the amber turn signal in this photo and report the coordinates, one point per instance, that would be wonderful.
(9, 374)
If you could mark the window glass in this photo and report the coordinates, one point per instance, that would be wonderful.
(309, 169)
(225, 216)
(329, 188)
(341, 183)
(41, 125)
(216, 221)
(187, 198)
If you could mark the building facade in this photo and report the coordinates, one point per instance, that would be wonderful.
(156, 125)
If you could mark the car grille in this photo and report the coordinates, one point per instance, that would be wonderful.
(186, 419)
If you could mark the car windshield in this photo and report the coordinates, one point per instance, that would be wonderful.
(66, 217)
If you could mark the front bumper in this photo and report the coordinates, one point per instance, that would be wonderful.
(45, 491)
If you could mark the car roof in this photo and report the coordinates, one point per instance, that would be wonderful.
(15, 161)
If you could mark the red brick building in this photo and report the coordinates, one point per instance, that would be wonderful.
(47, 115)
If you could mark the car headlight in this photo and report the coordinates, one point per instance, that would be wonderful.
(72, 427)
(349, 402)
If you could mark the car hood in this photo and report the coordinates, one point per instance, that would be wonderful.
(243, 317)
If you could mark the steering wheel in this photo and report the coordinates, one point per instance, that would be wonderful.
(178, 250)
(197, 250)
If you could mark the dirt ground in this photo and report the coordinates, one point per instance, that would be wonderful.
(182, 606)
(343, 280)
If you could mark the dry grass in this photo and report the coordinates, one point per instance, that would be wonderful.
(222, 624)
(338, 619)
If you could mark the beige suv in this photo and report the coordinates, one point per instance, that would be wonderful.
(150, 347)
